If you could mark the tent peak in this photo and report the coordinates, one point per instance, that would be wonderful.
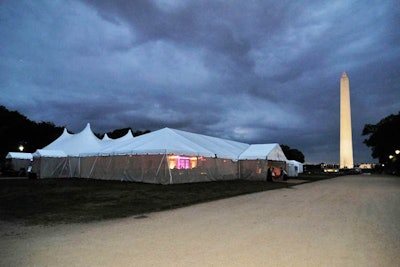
(87, 126)
(65, 133)
(129, 134)
(88, 131)
(106, 137)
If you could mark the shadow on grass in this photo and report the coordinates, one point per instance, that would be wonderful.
(59, 201)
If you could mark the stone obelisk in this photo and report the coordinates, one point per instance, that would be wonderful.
(346, 140)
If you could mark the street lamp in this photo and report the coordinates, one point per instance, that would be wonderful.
(21, 148)
(391, 156)
(397, 152)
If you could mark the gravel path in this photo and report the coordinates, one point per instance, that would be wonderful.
(346, 221)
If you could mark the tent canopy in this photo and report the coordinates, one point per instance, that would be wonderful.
(109, 143)
(163, 141)
(74, 144)
(171, 141)
(47, 153)
(85, 142)
(263, 151)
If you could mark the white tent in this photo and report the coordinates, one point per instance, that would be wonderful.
(263, 151)
(17, 161)
(164, 156)
(175, 156)
(256, 159)
(19, 155)
(294, 168)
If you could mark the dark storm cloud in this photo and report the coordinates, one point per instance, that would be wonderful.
(253, 71)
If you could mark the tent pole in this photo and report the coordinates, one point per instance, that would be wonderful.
(159, 167)
(239, 176)
(169, 171)
(91, 169)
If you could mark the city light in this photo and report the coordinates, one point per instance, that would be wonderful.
(21, 148)
(397, 151)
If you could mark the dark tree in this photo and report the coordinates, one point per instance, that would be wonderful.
(292, 153)
(121, 132)
(16, 130)
(137, 133)
(384, 140)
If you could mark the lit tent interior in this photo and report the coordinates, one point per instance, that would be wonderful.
(165, 156)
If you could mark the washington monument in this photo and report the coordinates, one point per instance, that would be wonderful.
(346, 139)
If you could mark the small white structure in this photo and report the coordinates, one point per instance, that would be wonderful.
(18, 160)
(294, 168)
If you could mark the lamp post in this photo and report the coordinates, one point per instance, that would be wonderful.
(22, 145)
(394, 162)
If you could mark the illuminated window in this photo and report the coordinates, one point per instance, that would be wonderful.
(182, 162)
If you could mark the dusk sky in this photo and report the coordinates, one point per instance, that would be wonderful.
(250, 71)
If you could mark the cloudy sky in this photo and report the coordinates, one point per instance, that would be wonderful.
(251, 71)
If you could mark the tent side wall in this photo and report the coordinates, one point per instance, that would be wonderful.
(135, 168)
(56, 167)
(207, 169)
(152, 168)
(156, 169)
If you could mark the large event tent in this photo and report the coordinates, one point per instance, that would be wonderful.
(164, 156)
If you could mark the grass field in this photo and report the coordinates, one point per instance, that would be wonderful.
(57, 201)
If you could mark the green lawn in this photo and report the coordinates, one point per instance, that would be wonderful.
(55, 201)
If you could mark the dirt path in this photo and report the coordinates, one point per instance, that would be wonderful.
(346, 221)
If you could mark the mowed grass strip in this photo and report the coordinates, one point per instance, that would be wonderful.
(59, 201)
